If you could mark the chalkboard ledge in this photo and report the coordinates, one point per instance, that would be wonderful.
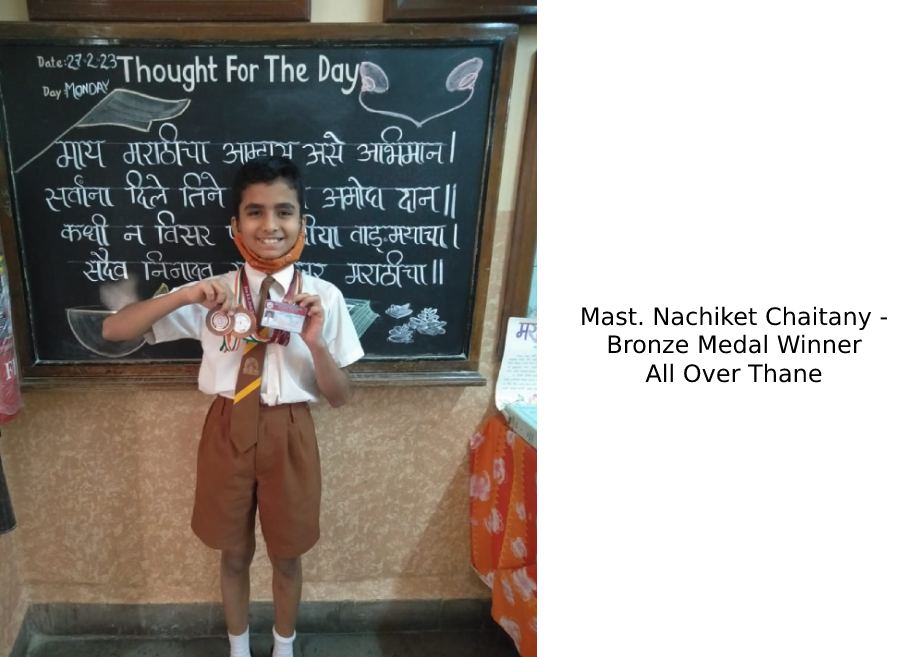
(360, 379)
(443, 378)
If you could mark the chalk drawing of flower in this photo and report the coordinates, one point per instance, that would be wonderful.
(401, 335)
(432, 329)
(398, 311)
(521, 511)
(488, 578)
(533, 624)
(427, 322)
(498, 470)
(480, 487)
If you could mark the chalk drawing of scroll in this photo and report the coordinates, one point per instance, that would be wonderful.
(462, 79)
(86, 324)
(125, 108)
(86, 321)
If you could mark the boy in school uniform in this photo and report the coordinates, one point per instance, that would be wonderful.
(258, 449)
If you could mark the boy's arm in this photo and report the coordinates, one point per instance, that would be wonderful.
(136, 319)
(333, 382)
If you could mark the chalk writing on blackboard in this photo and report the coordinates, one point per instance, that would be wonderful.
(392, 198)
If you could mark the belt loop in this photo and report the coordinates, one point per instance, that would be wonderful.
(291, 413)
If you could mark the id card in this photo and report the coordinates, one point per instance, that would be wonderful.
(283, 316)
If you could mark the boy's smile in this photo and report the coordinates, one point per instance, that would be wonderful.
(269, 218)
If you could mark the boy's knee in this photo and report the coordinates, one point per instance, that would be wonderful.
(287, 568)
(236, 562)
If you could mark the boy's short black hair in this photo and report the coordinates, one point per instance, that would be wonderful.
(266, 169)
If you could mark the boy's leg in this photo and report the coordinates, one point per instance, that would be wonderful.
(287, 592)
(289, 499)
(234, 571)
(224, 510)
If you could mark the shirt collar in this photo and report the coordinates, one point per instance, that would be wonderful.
(256, 277)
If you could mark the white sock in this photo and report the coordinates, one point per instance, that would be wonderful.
(282, 645)
(240, 646)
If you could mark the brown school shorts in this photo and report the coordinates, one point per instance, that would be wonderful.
(280, 476)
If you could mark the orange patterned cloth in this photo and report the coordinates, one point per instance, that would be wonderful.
(503, 527)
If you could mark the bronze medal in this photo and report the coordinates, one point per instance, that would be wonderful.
(243, 323)
(219, 322)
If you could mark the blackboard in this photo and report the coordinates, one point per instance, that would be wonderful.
(120, 150)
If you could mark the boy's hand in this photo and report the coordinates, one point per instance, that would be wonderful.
(211, 294)
(312, 331)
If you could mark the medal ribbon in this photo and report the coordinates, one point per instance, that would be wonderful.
(278, 336)
(243, 297)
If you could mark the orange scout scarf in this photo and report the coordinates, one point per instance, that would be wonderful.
(271, 265)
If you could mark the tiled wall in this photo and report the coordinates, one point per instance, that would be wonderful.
(104, 485)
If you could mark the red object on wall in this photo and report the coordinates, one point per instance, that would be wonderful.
(503, 527)
(10, 395)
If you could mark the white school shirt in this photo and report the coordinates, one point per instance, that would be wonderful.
(288, 374)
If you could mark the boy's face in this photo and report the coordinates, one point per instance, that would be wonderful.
(269, 218)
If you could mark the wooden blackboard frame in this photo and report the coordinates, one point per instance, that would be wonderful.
(459, 10)
(520, 267)
(400, 372)
(169, 10)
